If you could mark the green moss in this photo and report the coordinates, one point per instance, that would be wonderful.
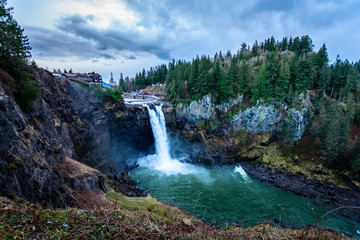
(78, 121)
(13, 161)
(29, 130)
(275, 159)
(119, 114)
(169, 215)
(109, 106)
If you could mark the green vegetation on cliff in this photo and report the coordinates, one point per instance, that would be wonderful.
(103, 92)
(14, 51)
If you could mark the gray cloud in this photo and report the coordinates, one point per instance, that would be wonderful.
(48, 43)
(130, 57)
(119, 39)
(108, 56)
(183, 29)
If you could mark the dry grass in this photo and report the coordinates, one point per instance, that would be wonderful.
(72, 169)
(130, 218)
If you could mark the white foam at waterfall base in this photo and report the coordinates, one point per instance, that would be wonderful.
(241, 171)
(162, 161)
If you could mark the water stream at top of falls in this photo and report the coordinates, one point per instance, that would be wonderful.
(227, 195)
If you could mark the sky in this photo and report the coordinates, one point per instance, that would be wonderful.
(125, 36)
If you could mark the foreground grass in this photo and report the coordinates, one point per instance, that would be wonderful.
(130, 218)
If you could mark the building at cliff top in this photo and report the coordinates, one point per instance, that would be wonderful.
(92, 78)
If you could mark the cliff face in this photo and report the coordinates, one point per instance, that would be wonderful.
(92, 126)
(34, 143)
(130, 132)
(67, 122)
(233, 131)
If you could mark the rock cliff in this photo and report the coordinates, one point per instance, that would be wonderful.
(67, 122)
(234, 131)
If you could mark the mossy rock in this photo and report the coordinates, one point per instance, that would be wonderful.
(13, 161)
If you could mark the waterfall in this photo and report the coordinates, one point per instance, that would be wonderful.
(162, 161)
(157, 121)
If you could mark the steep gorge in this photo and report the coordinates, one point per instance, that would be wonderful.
(67, 122)
(43, 151)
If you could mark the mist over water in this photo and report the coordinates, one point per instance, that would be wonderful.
(220, 196)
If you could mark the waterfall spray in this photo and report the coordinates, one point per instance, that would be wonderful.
(162, 160)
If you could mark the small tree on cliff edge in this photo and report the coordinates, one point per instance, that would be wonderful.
(12, 41)
(14, 49)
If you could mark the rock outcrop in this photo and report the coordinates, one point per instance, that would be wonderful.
(197, 111)
(266, 118)
(257, 119)
(228, 138)
(203, 109)
(130, 133)
(301, 120)
(79, 176)
(67, 122)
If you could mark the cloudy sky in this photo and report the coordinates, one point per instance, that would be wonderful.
(129, 35)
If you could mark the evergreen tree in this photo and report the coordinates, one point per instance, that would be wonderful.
(260, 87)
(306, 44)
(111, 81)
(335, 132)
(339, 75)
(222, 87)
(255, 49)
(228, 54)
(127, 88)
(12, 41)
(122, 83)
(296, 46)
(205, 82)
(245, 77)
(351, 83)
(14, 51)
(273, 72)
(303, 78)
(320, 60)
(355, 158)
(233, 76)
(194, 80)
(324, 79)
(284, 44)
(287, 135)
(283, 84)
(143, 79)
